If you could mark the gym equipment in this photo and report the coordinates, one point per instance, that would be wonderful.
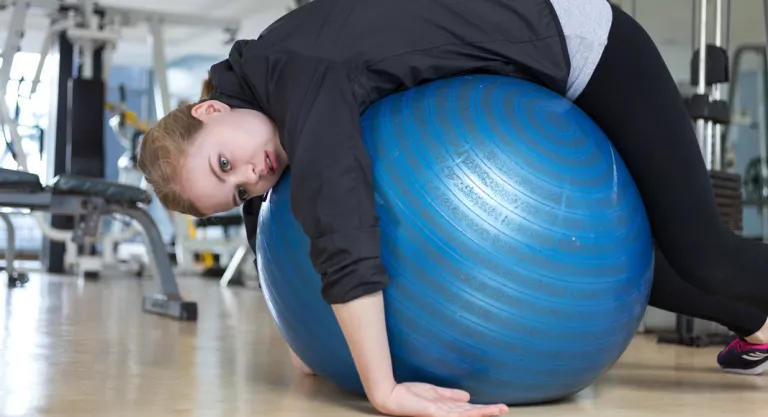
(89, 199)
(83, 35)
(189, 248)
(8, 124)
(93, 29)
(756, 170)
(711, 115)
(15, 278)
(510, 228)
(754, 183)
(709, 71)
(216, 263)
(129, 129)
(727, 187)
(233, 275)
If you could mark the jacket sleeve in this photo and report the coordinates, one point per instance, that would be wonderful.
(251, 210)
(332, 194)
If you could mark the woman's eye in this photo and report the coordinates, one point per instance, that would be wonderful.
(224, 164)
(242, 194)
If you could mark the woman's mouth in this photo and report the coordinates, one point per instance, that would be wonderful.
(271, 166)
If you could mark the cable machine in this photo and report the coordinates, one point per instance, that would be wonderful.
(711, 115)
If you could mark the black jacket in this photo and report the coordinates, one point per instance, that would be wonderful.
(316, 69)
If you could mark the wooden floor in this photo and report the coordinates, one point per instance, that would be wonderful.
(86, 349)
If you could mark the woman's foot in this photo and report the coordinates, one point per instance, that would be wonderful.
(300, 365)
(760, 337)
(743, 357)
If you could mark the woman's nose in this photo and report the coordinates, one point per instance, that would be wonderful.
(249, 175)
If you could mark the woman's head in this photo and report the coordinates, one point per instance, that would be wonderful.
(206, 158)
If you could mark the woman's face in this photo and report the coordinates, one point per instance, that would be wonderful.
(235, 156)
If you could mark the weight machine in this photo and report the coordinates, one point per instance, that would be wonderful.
(87, 32)
(711, 115)
(756, 170)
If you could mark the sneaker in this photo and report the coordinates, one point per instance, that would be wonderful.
(742, 357)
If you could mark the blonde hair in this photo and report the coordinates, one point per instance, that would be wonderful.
(163, 150)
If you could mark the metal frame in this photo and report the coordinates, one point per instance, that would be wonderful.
(243, 256)
(130, 16)
(709, 135)
(762, 117)
(761, 51)
(15, 278)
(90, 24)
(168, 301)
(11, 47)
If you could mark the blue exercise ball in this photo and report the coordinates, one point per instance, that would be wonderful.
(517, 244)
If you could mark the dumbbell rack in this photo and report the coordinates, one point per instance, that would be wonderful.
(727, 189)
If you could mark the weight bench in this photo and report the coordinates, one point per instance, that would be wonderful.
(89, 199)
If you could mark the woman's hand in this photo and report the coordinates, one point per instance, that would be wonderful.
(362, 322)
(424, 400)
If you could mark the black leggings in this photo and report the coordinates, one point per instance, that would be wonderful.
(703, 269)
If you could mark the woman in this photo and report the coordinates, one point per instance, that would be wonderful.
(294, 96)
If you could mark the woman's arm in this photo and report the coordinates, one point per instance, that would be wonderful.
(332, 197)
(363, 324)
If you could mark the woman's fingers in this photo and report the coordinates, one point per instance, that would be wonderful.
(453, 394)
(464, 409)
(484, 411)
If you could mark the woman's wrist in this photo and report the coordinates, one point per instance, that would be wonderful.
(380, 390)
(364, 327)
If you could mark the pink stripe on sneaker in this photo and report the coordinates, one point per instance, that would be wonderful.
(753, 346)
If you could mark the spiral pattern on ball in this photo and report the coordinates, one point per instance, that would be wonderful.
(519, 252)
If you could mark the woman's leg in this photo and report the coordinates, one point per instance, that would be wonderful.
(635, 100)
(673, 294)
(746, 355)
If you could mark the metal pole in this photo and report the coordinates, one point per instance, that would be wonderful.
(12, 43)
(87, 46)
(130, 17)
(162, 95)
(10, 246)
(727, 131)
(717, 136)
(701, 125)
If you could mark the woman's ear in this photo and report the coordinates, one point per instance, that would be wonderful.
(209, 108)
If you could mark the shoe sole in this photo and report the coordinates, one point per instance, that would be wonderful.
(758, 370)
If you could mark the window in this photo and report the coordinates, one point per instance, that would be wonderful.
(30, 111)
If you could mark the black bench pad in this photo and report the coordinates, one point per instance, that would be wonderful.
(221, 220)
(96, 187)
(19, 181)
